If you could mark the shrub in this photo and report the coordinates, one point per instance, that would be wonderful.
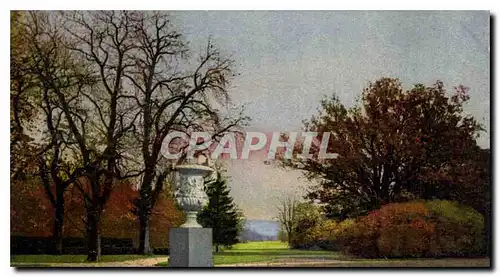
(459, 229)
(344, 226)
(323, 235)
(301, 238)
(405, 230)
(160, 251)
(308, 217)
(415, 229)
(359, 238)
(71, 245)
(323, 230)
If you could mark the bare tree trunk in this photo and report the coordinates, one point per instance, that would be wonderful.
(145, 205)
(57, 202)
(58, 224)
(93, 236)
(144, 247)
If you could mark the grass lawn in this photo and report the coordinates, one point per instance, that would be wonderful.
(274, 252)
(49, 259)
(265, 251)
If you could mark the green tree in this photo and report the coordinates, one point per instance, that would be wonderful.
(241, 222)
(307, 216)
(220, 214)
(295, 218)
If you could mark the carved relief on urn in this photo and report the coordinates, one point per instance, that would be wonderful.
(190, 193)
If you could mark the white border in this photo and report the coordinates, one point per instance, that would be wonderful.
(205, 5)
(254, 5)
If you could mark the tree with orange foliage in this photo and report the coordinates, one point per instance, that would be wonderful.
(389, 146)
(30, 210)
(31, 214)
(119, 220)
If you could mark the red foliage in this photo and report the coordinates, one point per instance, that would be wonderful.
(416, 229)
(405, 230)
(165, 216)
(32, 214)
(360, 239)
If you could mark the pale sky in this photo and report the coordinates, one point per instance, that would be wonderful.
(289, 60)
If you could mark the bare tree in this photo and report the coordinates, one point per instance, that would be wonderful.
(49, 68)
(287, 216)
(111, 83)
(101, 40)
(172, 97)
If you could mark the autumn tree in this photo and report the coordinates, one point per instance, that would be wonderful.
(22, 95)
(165, 215)
(46, 68)
(118, 219)
(389, 145)
(32, 216)
(30, 210)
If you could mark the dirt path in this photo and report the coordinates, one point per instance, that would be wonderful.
(367, 263)
(146, 262)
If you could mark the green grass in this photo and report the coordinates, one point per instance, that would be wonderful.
(274, 251)
(266, 251)
(258, 252)
(47, 259)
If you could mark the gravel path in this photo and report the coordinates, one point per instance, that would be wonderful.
(146, 262)
(367, 263)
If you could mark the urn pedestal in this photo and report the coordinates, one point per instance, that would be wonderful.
(191, 245)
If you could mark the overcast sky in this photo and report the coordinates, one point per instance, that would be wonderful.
(289, 60)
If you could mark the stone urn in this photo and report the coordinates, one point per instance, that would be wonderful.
(190, 193)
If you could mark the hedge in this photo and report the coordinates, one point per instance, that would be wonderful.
(435, 228)
(44, 245)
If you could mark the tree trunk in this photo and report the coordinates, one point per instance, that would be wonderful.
(93, 236)
(58, 225)
(144, 247)
(216, 248)
(144, 206)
